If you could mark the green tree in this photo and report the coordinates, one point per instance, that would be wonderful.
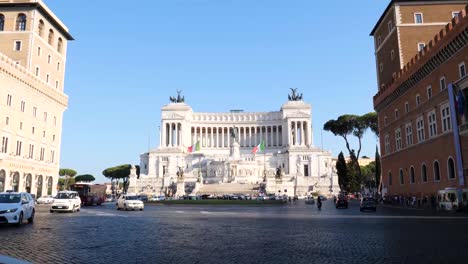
(378, 168)
(64, 184)
(343, 179)
(121, 172)
(353, 125)
(68, 179)
(85, 178)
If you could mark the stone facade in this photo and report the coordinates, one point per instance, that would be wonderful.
(290, 164)
(32, 69)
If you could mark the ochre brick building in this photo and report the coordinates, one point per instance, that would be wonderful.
(421, 50)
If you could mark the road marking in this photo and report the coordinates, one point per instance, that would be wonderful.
(101, 213)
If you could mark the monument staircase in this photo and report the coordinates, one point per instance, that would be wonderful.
(228, 188)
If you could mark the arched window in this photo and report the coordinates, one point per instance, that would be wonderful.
(60, 45)
(40, 28)
(424, 173)
(21, 22)
(436, 171)
(451, 169)
(412, 178)
(51, 37)
(39, 187)
(390, 180)
(402, 177)
(2, 22)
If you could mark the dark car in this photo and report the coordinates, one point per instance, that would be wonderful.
(341, 202)
(368, 203)
(143, 198)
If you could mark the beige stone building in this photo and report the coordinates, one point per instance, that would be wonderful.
(33, 48)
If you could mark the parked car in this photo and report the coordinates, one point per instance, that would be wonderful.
(368, 203)
(16, 207)
(157, 198)
(341, 202)
(66, 201)
(143, 198)
(109, 198)
(45, 199)
(129, 202)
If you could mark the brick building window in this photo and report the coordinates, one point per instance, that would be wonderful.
(392, 55)
(424, 173)
(418, 100)
(418, 18)
(390, 26)
(407, 109)
(385, 121)
(387, 144)
(379, 41)
(420, 128)
(462, 69)
(399, 144)
(390, 180)
(431, 118)
(443, 86)
(412, 177)
(381, 67)
(436, 171)
(409, 134)
(402, 177)
(429, 92)
(451, 169)
(446, 120)
(396, 114)
(421, 46)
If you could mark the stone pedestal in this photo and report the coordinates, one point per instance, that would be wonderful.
(180, 188)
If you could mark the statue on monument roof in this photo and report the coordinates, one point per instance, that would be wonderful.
(178, 99)
(295, 96)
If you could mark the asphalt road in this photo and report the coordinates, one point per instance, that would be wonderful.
(237, 234)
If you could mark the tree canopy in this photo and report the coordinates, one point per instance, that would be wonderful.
(85, 178)
(67, 172)
(121, 172)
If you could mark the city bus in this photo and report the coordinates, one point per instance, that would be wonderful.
(90, 194)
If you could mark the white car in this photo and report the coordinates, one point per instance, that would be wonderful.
(129, 202)
(66, 201)
(16, 207)
(45, 199)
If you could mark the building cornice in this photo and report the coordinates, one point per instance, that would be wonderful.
(22, 75)
(445, 45)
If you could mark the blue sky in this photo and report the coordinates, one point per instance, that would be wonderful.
(225, 54)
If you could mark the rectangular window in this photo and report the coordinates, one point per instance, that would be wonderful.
(49, 59)
(418, 18)
(418, 100)
(52, 156)
(399, 145)
(396, 114)
(39, 51)
(56, 84)
(53, 138)
(407, 107)
(431, 117)
(17, 46)
(33, 130)
(446, 120)
(23, 106)
(306, 170)
(18, 147)
(55, 121)
(47, 78)
(421, 46)
(455, 14)
(387, 144)
(385, 121)
(381, 67)
(390, 179)
(45, 116)
(31, 151)
(41, 156)
(58, 66)
(429, 92)
(9, 98)
(34, 111)
(4, 145)
(390, 26)
(21, 126)
(379, 41)
(443, 86)
(43, 134)
(420, 128)
(392, 55)
(462, 69)
(37, 71)
(409, 134)
(7, 120)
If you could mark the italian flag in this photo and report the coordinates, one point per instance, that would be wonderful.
(194, 148)
(260, 147)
